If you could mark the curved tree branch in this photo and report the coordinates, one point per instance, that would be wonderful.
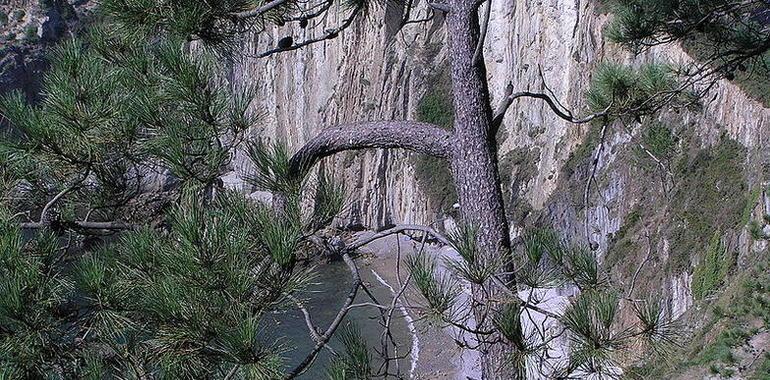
(328, 35)
(324, 338)
(411, 135)
(73, 186)
(84, 225)
(555, 107)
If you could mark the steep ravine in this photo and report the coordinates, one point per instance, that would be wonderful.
(652, 219)
(641, 212)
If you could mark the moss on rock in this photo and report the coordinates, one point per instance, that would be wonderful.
(433, 175)
(710, 196)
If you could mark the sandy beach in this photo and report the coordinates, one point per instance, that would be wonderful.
(434, 354)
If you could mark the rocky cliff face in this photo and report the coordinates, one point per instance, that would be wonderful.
(648, 210)
(652, 198)
(371, 73)
(27, 27)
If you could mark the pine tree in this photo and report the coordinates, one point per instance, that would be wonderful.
(182, 290)
(184, 297)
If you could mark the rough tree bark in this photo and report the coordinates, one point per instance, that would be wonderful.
(474, 158)
(471, 148)
(419, 137)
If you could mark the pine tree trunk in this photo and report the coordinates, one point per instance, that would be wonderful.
(474, 158)
(471, 151)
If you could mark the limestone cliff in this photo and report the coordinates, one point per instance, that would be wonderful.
(653, 198)
(649, 218)
(27, 27)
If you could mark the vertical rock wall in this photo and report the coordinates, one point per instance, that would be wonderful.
(375, 72)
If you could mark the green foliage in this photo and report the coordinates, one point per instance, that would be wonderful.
(730, 37)
(524, 343)
(753, 299)
(642, 23)
(751, 204)
(210, 22)
(18, 14)
(549, 262)
(436, 108)
(330, 196)
(599, 338)
(433, 174)
(544, 254)
(67, 11)
(721, 350)
(186, 303)
(272, 167)
(131, 102)
(711, 184)
(440, 290)
(32, 290)
(474, 266)
(622, 90)
(45, 4)
(660, 141)
(115, 108)
(755, 230)
(595, 340)
(3, 18)
(355, 363)
(660, 334)
(623, 241)
(579, 157)
(30, 33)
(763, 371)
(710, 273)
(735, 313)
(273, 173)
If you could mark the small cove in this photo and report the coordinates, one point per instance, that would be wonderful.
(323, 299)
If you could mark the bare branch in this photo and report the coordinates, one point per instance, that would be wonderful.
(367, 304)
(308, 321)
(419, 137)
(328, 35)
(396, 230)
(561, 113)
(74, 185)
(477, 56)
(84, 225)
(639, 269)
(261, 10)
(327, 335)
(591, 179)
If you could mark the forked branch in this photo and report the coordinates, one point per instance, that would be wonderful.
(555, 106)
(323, 339)
(397, 230)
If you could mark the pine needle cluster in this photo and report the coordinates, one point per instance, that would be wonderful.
(184, 303)
(597, 337)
